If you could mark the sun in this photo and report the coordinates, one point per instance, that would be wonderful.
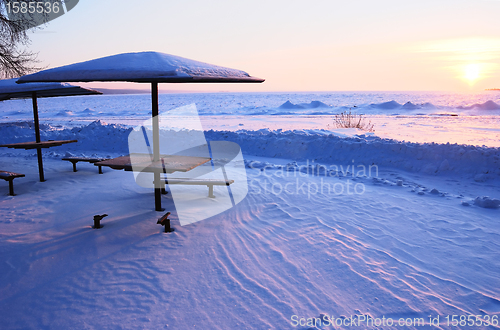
(472, 73)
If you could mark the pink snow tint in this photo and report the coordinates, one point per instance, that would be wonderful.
(420, 238)
(387, 252)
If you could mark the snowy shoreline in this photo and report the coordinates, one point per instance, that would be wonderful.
(340, 146)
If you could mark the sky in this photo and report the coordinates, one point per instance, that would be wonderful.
(317, 45)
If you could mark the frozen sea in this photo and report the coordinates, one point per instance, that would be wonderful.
(405, 116)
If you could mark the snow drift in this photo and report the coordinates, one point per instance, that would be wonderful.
(480, 163)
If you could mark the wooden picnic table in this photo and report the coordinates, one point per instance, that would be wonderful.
(167, 163)
(145, 163)
(38, 145)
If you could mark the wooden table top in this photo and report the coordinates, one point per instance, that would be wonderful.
(36, 145)
(170, 164)
(7, 175)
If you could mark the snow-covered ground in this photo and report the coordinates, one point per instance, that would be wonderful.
(337, 223)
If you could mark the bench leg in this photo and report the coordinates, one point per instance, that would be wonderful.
(211, 191)
(100, 169)
(74, 166)
(11, 187)
(167, 226)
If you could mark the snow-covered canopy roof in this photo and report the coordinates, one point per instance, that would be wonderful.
(10, 90)
(141, 67)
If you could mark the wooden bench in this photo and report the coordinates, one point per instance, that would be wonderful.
(165, 221)
(210, 183)
(75, 160)
(10, 176)
(97, 220)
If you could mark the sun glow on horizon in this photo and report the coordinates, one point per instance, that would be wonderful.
(472, 73)
(467, 63)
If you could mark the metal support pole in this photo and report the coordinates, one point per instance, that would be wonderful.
(37, 136)
(156, 143)
(35, 116)
(40, 164)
